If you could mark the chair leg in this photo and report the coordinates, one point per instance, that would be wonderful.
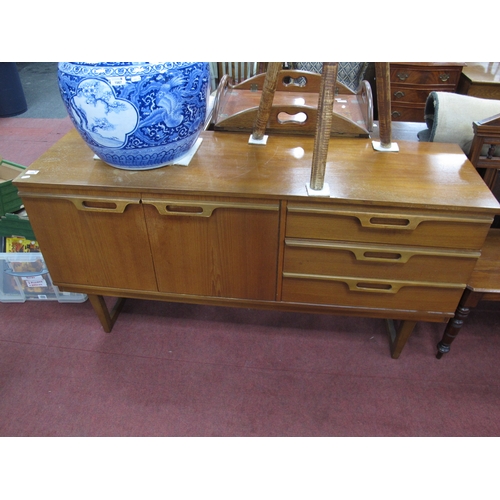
(469, 299)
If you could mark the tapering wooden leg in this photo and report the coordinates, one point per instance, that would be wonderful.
(469, 299)
(106, 318)
(399, 337)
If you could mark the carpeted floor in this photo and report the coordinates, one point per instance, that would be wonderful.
(185, 370)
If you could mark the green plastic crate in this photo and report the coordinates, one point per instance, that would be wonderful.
(16, 225)
(9, 198)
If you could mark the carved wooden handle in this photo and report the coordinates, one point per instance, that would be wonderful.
(383, 220)
(202, 208)
(98, 204)
(370, 285)
(377, 253)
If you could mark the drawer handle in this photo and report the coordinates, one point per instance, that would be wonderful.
(369, 285)
(202, 209)
(396, 114)
(399, 94)
(380, 253)
(379, 256)
(374, 220)
(403, 76)
(444, 77)
(382, 222)
(361, 286)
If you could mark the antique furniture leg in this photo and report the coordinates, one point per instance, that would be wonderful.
(469, 299)
(106, 318)
(399, 337)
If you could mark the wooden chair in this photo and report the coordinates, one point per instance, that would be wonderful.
(484, 283)
(482, 151)
(237, 71)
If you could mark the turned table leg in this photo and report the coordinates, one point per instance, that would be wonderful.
(469, 299)
(399, 337)
(106, 318)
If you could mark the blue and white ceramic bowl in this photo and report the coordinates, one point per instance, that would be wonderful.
(136, 116)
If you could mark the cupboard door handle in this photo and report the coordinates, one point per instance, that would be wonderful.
(202, 209)
(92, 203)
(106, 205)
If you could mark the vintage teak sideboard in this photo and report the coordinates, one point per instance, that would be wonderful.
(396, 239)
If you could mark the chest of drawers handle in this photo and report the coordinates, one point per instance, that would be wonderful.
(380, 253)
(369, 285)
(402, 76)
(444, 77)
(399, 94)
(383, 220)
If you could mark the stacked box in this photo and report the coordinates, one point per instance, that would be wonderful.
(9, 198)
(24, 276)
(16, 225)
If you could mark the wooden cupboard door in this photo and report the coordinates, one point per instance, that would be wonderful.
(93, 241)
(223, 248)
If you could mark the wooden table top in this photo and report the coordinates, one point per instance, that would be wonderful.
(420, 174)
(482, 72)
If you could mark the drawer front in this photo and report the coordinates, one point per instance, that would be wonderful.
(402, 94)
(378, 261)
(365, 293)
(425, 76)
(401, 112)
(338, 224)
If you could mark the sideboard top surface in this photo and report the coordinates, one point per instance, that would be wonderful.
(420, 174)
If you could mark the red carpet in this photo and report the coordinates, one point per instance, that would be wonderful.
(185, 370)
(23, 140)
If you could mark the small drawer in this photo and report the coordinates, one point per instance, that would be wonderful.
(408, 112)
(325, 222)
(317, 257)
(401, 94)
(368, 293)
(425, 76)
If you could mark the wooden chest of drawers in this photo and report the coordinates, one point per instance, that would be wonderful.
(401, 259)
(411, 83)
(396, 239)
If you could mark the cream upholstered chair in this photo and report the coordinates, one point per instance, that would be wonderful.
(484, 283)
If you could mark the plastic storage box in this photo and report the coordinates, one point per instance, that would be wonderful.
(24, 276)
